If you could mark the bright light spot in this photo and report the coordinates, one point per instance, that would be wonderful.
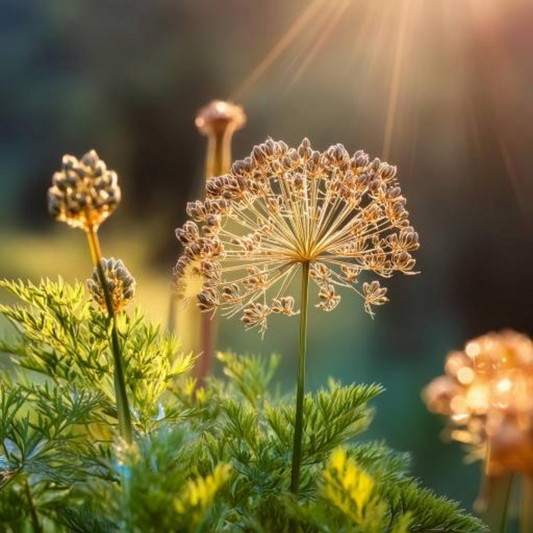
(504, 385)
(477, 399)
(458, 418)
(465, 375)
(473, 349)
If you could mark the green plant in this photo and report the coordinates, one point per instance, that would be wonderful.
(213, 458)
(102, 428)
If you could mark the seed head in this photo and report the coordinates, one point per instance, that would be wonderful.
(487, 393)
(218, 116)
(84, 192)
(281, 207)
(120, 282)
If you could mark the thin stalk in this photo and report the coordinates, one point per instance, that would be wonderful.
(33, 512)
(218, 161)
(498, 496)
(124, 416)
(526, 505)
(300, 391)
(493, 503)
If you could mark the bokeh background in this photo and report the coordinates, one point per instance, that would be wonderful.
(442, 88)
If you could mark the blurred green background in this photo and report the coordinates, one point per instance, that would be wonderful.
(443, 89)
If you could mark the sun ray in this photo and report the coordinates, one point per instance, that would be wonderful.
(371, 16)
(406, 19)
(515, 179)
(279, 48)
(331, 24)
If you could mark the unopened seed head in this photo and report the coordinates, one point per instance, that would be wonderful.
(219, 116)
(120, 283)
(84, 192)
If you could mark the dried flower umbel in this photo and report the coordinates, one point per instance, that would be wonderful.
(282, 207)
(84, 193)
(120, 282)
(487, 395)
(284, 211)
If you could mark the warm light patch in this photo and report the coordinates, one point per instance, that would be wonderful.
(504, 385)
(492, 397)
(473, 349)
(465, 375)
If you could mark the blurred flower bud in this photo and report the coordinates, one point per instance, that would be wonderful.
(120, 282)
(218, 116)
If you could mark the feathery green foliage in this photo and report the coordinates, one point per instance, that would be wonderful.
(204, 459)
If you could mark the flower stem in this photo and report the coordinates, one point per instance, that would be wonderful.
(34, 518)
(300, 392)
(499, 491)
(218, 162)
(493, 502)
(218, 158)
(526, 504)
(124, 417)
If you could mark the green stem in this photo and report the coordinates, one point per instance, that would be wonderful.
(493, 502)
(300, 392)
(124, 417)
(33, 512)
(526, 504)
(499, 491)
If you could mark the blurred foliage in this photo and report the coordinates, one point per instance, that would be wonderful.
(215, 458)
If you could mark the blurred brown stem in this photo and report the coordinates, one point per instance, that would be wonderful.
(218, 121)
(218, 161)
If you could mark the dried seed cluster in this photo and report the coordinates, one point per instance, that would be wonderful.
(281, 207)
(84, 192)
(120, 282)
(487, 393)
(218, 116)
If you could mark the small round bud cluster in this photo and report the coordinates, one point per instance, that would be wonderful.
(84, 192)
(487, 393)
(120, 282)
(219, 116)
(342, 214)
